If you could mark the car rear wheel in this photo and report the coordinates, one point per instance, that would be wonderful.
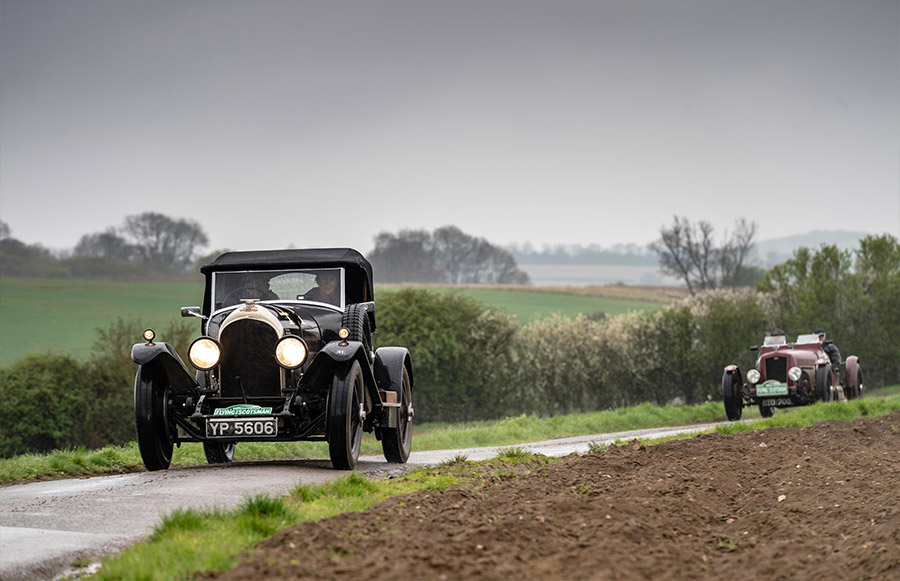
(344, 422)
(397, 442)
(766, 411)
(218, 452)
(823, 384)
(731, 395)
(151, 419)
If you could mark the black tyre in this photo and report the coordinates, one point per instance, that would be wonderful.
(731, 395)
(154, 433)
(766, 411)
(859, 391)
(823, 384)
(218, 452)
(344, 426)
(356, 320)
(397, 442)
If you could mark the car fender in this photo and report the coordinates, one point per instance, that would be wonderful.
(164, 356)
(389, 365)
(731, 367)
(336, 352)
(851, 364)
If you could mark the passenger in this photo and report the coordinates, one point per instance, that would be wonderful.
(831, 350)
(328, 290)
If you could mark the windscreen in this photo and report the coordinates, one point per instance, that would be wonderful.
(807, 339)
(774, 340)
(321, 285)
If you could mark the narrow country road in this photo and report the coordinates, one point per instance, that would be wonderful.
(45, 526)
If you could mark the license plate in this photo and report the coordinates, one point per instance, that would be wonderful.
(241, 427)
(774, 401)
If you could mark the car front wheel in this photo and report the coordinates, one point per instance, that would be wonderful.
(344, 422)
(151, 419)
(731, 395)
(823, 384)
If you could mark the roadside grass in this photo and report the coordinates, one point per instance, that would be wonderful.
(80, 462)
(188, 541)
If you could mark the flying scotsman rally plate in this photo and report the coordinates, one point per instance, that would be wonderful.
(771, 387)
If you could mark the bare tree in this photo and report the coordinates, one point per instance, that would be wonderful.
(161, 239)
(689, 252)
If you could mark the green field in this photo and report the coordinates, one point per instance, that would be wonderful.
(38, 315)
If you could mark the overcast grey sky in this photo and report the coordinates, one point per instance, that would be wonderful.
(304, 123)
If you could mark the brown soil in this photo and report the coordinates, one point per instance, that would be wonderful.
(818, 502)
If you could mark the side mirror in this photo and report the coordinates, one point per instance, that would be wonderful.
(191, 312)
(754, 348)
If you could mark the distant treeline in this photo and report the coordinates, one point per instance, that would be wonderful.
(619, 254)
(153, 246)
(448, 256)
(146, 246)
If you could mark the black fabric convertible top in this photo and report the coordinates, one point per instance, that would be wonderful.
(357, 269)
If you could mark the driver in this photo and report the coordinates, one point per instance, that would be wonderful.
(254, 286)
(328, 290)
(831, 350)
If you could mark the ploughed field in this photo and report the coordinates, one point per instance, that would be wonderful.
(782, 503)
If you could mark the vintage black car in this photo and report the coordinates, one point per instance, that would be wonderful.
(285, 354)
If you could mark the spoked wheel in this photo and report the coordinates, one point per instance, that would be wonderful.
(731, 395)
(397, 442)
(218, 452)
(344, 421)
(823, 384)
(154, 434)
(766, 411)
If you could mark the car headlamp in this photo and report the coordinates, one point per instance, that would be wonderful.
(290, 352)
(204, 353)
(794, 373)
(752, 376)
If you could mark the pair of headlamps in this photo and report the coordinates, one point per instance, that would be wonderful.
(205, 353)
(794, 374)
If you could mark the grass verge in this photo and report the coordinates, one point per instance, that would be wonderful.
(191, 540)
(510, 431)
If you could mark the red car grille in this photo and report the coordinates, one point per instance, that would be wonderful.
(776, 368)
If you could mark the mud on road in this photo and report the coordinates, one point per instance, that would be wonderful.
(774, 504)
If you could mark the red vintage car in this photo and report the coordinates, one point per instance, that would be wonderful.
(789, 374)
